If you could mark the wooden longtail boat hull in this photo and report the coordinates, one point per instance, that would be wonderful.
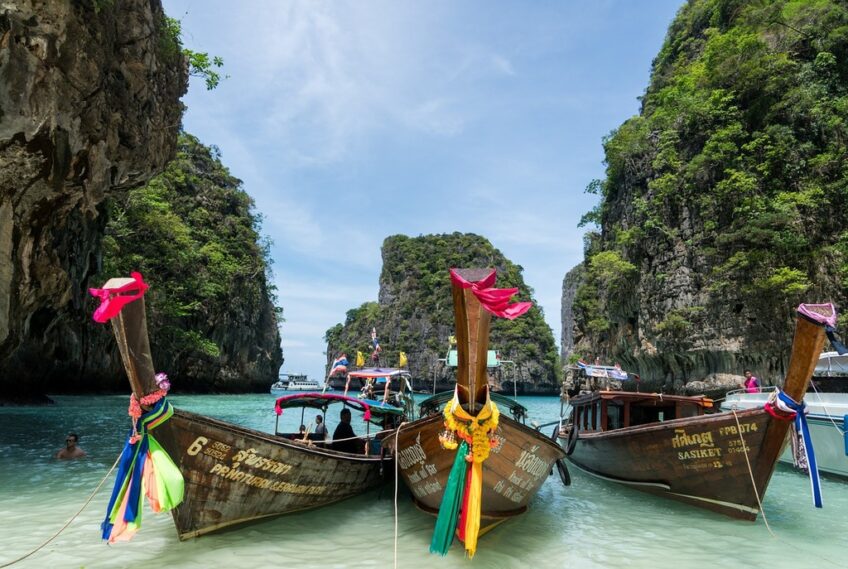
(234, 475)
(698, 460)
(515, 470)
(702, 459)
(515, 459)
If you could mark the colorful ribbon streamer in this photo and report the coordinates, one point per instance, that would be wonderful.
(451, 503)
(495, 300)
(144, 469)
(112, 300)
(788, 405)
(464, 490)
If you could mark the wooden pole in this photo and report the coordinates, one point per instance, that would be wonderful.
(130, 329)
(472, 338)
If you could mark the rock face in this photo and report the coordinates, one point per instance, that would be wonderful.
(570, 284)
(192, 233)
(89, 106)
(724, 203)
(415, 315)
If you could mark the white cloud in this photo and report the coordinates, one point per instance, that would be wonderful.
(349, 121)
(502, 64)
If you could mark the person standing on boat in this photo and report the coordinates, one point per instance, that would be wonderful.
(344, 439)
(320, 427)
(71, 449)
(751, 383)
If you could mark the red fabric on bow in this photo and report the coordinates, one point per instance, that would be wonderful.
(495, 300)
(112, 300)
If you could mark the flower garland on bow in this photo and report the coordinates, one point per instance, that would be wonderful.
(148, 400)
(461, 502)
(478, 433)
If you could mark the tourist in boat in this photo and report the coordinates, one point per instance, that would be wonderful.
(751, 383)
(71, 449)
(344, 439)
(320, 427)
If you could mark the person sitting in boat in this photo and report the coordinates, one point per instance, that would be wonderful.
(71, 449)
(344, 439)
(320, 427)
(751, 383)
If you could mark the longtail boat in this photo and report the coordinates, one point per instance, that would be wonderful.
(230, 474)
(467, 463)
(668, 445)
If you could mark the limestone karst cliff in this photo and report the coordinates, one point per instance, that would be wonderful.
(414, 314)
(725, 201)
(89, 106)
(193, 233)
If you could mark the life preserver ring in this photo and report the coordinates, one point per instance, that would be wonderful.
(571, 442)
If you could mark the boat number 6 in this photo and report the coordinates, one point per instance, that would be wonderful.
(197, 445)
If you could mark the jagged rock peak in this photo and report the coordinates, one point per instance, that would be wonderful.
(724, 200)
(414, 313)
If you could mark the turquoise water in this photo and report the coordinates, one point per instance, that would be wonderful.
(587, 525)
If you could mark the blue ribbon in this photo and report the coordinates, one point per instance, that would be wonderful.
(131, 466)
(802, 427)
(845, 432)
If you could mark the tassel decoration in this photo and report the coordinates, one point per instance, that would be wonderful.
(144, 469)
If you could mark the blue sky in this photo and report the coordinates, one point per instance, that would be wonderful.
(352, 121)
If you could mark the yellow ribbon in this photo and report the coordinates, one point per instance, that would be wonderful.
(477, 428)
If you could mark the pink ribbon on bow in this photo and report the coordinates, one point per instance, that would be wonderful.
(495, 300)
(112, 300)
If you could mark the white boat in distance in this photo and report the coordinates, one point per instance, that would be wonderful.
(304, 385)
(295, 382)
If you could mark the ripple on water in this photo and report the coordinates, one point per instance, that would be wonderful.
(591, 524)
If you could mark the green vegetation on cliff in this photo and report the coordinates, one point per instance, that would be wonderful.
(415, 309)
(191, 232)
(730, 190)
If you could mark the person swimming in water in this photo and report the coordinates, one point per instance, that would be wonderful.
(71, 449)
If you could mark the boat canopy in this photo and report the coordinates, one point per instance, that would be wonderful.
(382, 407)
(832, 363)
(378, 372)
(639, 398)
(323, 400)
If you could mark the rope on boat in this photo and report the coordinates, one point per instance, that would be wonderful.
(762, 511)
(64, 527)
(751, 473)
(330, 441)
(826, 410)
(397, 454)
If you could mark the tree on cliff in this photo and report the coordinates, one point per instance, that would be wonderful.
(725, 201)
(415, 309)
(192, 233)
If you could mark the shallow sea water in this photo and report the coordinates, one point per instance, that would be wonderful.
(591, 524)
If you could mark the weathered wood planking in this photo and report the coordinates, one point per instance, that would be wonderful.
(700, 460)
(517, 465)
(234, 474)
(513, 473)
